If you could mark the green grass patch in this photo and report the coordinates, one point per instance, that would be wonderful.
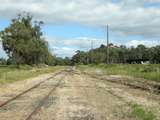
(10, 74)
(149, 71)
(141, 114)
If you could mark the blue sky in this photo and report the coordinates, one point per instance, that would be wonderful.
(72, 25)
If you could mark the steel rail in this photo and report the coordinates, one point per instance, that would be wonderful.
(28, 90)
(42, 102)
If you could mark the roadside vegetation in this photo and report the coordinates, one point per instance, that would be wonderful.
(148, 72)
(10, 74)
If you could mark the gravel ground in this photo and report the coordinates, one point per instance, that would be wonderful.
(78, 97)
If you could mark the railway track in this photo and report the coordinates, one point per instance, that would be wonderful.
(151, 89)
(48, 86)
(42, 102)
(28, 90)
(129, 103)
(75, 96)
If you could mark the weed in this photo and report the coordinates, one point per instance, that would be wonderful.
(149, 72)
(141, 114)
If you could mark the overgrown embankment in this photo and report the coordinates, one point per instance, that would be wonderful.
(144, 77)
(148, 72)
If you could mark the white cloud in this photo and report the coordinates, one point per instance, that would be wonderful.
(126, 17)
(63, 51)
(79, 43)
(68, 47)
(147, 43)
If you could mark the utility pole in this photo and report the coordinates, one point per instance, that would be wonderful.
(91, 51)
(91, 44)
(107, 44)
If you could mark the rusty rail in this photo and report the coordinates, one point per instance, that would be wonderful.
(28, 90)
(42, 102)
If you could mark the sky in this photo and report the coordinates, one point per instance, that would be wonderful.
(71, 25)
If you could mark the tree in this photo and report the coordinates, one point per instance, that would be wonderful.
(23, 42)
(120, 54)
(3, 61)
(80, 57)
(155, 54)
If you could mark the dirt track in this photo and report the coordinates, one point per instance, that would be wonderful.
(78, 97)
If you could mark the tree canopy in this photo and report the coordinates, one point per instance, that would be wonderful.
(120, 54)
(24, 43)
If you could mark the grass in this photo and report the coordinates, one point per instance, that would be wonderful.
(149, 71)
(10, 74)
(140, 114)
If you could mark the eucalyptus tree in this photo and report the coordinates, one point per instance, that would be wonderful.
(23, 41)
